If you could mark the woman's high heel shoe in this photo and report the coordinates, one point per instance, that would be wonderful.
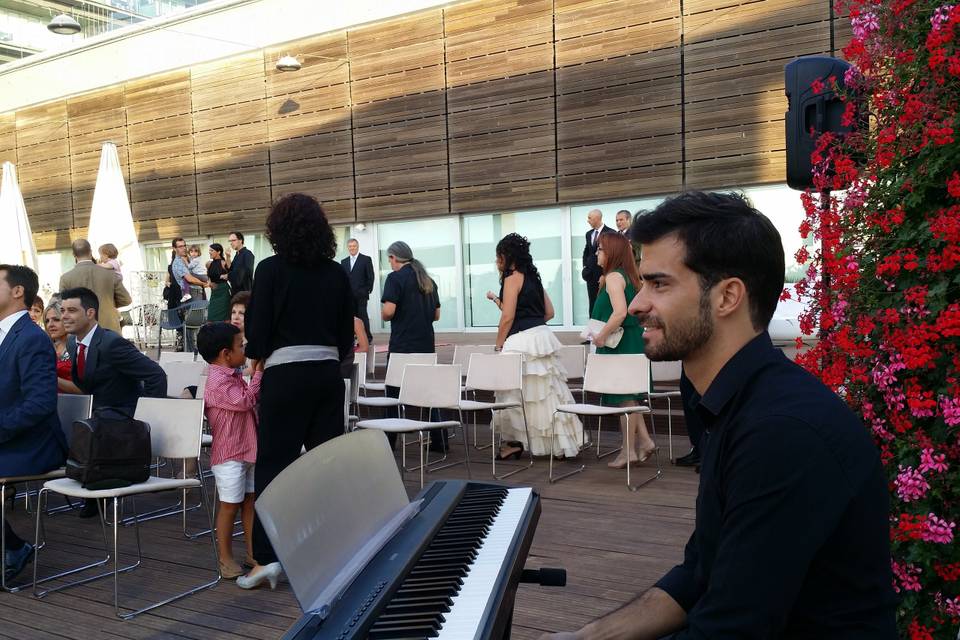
(267, 573)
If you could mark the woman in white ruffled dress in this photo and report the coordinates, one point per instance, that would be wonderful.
(525, 309)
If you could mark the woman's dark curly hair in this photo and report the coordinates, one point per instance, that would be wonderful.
(298, 230)
(515, 251)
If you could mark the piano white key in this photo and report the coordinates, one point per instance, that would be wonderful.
(463, 620)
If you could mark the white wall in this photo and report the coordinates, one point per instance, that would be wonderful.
(208, 32)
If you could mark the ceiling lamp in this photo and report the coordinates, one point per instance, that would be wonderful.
(288, 63)
(64, 25)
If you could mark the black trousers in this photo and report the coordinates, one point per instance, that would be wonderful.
(593, 289)
(14, 542)
(301, 405)
(361, 312)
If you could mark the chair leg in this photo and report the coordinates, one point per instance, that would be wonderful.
(41, 497)
(423, 464)
(516, 468)
(552, 478)
(656, 453)
(670, 428)
(207, 585)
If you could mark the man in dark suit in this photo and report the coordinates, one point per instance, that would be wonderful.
(591, 270)
(241, 265)
(360, 270)
(31, 441)
(105, 364)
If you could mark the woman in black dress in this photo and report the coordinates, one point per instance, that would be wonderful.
(219, 308)
(299, 325)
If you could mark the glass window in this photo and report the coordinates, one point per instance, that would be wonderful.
(578, 230)
(480, 237)
(51, 265)
(782, 205)
(434, 244)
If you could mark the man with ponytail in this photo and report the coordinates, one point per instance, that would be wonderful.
(411, 305)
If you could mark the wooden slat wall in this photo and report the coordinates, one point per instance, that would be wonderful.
(618, 85)
(501, 100)
(8, 138)
(94, 119)
(163, 190)
(43, 153)
(230, 147)
(734, 53)
(483, 105)
(308, 124)
(399, 117)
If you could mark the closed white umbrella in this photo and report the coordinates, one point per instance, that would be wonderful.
(110, 217)
(16, 240)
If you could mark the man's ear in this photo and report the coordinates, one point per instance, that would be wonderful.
(730, 296)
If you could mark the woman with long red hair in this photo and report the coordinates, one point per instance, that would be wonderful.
(620, 284)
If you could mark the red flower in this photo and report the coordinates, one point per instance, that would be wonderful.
(953, 185)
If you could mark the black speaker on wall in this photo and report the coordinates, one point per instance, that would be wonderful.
(810, 114)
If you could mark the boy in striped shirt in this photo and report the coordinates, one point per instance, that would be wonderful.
(231, 408)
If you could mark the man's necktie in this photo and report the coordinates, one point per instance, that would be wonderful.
(594, 240)
(81, 360)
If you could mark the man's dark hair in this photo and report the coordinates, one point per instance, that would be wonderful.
(88, 299)
(238, 234)
(18, 275)
(176, 240)
(724, 237)
(214, 337)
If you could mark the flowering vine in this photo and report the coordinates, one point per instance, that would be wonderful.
(884, 282)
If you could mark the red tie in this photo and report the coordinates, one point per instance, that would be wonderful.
(81, 360)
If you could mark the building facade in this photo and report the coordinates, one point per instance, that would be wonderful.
(446, 127)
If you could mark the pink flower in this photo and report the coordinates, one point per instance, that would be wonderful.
(950, 606)
(938, 530)
(906, 575)
(930, 462)
(864, 25)
(911, 485)
(940, 15)
(950, 408)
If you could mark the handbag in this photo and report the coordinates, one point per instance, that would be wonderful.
(109, 450)
(596, 326)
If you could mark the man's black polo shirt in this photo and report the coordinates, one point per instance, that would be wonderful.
(411, 330)
(792, 531)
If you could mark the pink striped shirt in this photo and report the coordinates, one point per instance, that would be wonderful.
(231, 408)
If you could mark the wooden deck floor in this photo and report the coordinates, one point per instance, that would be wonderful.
(613, 544)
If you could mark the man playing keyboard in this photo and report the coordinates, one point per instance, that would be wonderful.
(792, 531)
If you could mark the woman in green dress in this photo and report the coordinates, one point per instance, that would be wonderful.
(219, 308)
(619, 286)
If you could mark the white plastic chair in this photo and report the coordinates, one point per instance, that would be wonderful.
(428, 386)
(174, 433)
(661, 372)
(393, 378)
(69, 408)
(621, 374)
(461, 356)
(181, 375)
(574, 359)
(497, 372)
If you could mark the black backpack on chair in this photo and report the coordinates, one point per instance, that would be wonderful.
(109, 450)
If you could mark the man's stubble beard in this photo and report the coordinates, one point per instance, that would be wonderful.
(683, 337)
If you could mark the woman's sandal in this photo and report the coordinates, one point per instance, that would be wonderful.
(515, 451)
